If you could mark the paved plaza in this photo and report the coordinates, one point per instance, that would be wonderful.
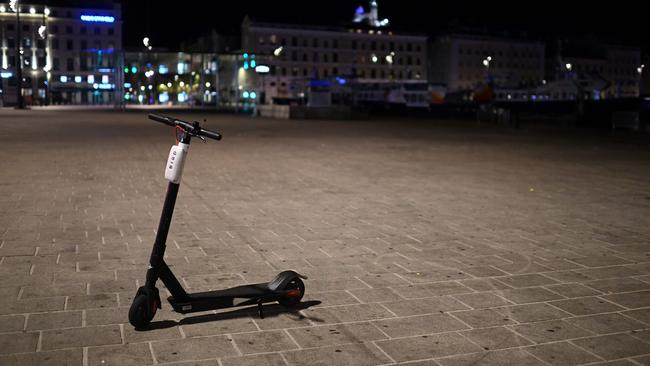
(425, 243)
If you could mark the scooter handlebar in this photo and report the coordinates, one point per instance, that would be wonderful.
(210, 134)
(192, 128)
(162, 119)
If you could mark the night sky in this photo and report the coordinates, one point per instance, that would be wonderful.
(168, 23)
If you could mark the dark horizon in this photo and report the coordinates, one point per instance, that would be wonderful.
(169, 25)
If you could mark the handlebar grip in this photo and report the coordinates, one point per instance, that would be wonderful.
(210, 134)
(162, 119)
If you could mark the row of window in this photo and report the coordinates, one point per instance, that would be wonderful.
(505, 78)
(316, 57)
(54, 29)
(334, 43)
(625, 72)
(618, 71)
(361, 73)
(625, 60)
(83, 44)
(27, 43)
(56, 44)
(500, 53)
(498, 65)
(85, 63)
(334, 57)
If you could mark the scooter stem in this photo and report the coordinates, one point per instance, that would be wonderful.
(158, 252)
(173, 172)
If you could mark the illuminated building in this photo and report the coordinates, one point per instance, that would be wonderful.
(463, 62)
(359, 52)
(182, 78)
(69, 54)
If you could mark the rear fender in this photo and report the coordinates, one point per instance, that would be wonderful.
(282, 279)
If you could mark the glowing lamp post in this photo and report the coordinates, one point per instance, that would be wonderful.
(486, 62)
(13, 4)
(146, 42)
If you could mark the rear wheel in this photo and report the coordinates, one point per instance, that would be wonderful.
(296, 290)
(142, 311)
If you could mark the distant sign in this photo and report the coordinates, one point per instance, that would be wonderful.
(97, 18)
(262, 69)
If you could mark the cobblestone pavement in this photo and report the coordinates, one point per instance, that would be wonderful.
(425, 244)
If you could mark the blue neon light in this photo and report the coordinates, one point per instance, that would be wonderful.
(360, 10)
(97, 18)
(319, 83)
(245, 65)
(6, 74)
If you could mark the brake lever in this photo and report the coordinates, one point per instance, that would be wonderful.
(197, 130)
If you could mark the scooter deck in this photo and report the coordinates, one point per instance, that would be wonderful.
(219, 299)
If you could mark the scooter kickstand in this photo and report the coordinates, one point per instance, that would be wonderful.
(260, 309)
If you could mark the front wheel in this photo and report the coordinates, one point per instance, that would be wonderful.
(142, 311)
(295, 291)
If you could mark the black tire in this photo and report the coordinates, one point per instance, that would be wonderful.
(142, 311)
(295, 284)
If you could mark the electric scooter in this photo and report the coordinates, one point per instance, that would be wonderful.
(286, 288)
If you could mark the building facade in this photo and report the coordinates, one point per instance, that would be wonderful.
(623, 66)
(597, 70)
(69, 55)
(464, 62)
(644, 70)
(195, 79)
(328, 53)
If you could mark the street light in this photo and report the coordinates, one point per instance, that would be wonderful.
(487, 61)
(146, 42)
(41, 31)
(640, 69)
(278, 51)
(568, 66)
(389, 57)
(13, 4)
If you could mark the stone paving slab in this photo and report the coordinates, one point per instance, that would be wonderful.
(426, 243)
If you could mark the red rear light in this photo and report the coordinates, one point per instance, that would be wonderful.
(293, 293)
